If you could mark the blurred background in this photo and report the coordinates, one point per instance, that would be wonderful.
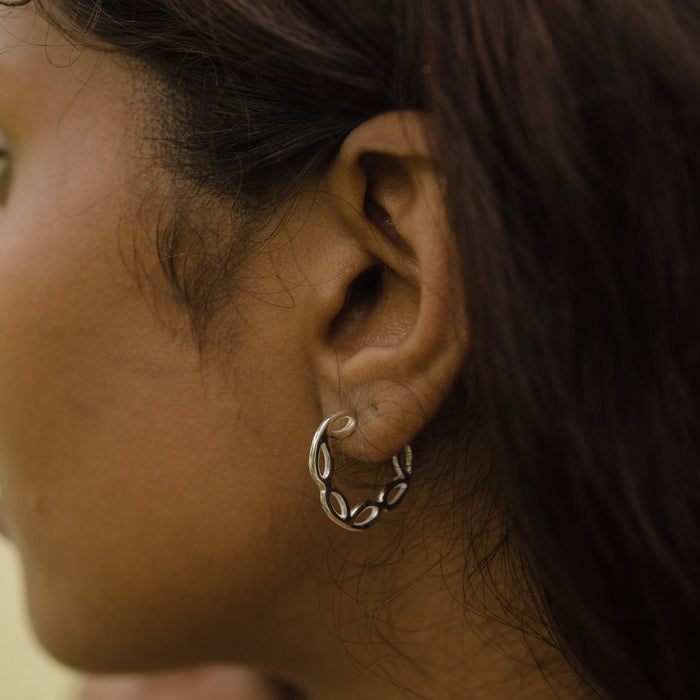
(26, 672)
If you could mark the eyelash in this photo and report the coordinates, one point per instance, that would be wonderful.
(4, 173)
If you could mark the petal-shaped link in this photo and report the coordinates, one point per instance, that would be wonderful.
(395, 493)
(338, 504)
(366, 516)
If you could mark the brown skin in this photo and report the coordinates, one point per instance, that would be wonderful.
(160, 500)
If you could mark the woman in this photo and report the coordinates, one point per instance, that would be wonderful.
(443, 255)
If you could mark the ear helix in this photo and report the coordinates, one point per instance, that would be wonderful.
(322, 467)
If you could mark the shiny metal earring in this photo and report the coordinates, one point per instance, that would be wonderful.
(333, 502)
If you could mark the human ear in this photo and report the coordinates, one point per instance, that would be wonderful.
(392, 335)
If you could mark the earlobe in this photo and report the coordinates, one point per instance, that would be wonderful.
(394, 349)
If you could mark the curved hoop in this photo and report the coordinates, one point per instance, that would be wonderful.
(334, 503)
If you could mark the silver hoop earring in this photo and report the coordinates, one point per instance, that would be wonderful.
(333, 502)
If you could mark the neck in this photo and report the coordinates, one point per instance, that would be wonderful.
(420, 632)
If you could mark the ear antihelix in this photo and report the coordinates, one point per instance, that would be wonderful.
(334, 503)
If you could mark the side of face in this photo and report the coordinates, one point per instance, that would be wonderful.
(151, 494)
(160, 498)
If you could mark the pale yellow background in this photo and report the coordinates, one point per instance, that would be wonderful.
(26, 672)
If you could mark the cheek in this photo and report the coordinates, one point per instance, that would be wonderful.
(154, 500)
(149, 495)
(90, 392)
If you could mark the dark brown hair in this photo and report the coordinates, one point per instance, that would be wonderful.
(568, 134)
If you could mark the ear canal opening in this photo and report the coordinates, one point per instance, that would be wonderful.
(362, 294)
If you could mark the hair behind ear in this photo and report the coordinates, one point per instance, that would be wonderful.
(569, 134)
